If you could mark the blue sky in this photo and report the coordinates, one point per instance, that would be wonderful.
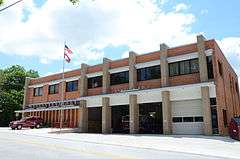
(34, 31)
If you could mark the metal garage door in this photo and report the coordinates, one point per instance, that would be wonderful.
(187, 117)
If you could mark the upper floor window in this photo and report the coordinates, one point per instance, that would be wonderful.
(53, 89)
(183, 67)
(148, 73)
(210, 67)
(72, 86)
(220, 69)
(119, 78)
(38, 91)
(95, 82)
(237, 88)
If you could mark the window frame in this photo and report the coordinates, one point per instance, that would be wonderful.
(56, 89)
(145, 73)
(38, 91)
(71, 84)
(112, 82)
(179, 69)
(91, 82)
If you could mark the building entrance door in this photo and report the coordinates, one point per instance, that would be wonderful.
(94, 119)
(150, 118)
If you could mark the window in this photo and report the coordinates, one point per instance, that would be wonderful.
(119, 78)
(198, 119)
(213, 101)
(177, 119)
(183, 67)
(237, 88)
(148, 73)
(194, 66)
(225, 117)
(173, 69)
(95, 82)
(187, 119)
(210, 67)
(220, 68)
(38, 91)
(72, 86)
(53, 89)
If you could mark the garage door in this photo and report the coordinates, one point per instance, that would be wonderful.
(187, 117)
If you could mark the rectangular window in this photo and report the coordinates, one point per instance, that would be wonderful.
(119, 78)
(220, 68)
(210, 67)
(53, 89)
(38, 91)
(213, 101)
(95, 82)
(72, 86)
(187, 119)
(174, 69)
(225, 117)
(177, 119)
(198, 119)
(237, 88)
(148, 73)
(194, 66)
(183, 67)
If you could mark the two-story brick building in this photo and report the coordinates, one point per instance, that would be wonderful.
(189, 89)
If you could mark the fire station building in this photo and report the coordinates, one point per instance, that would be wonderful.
(188, 89)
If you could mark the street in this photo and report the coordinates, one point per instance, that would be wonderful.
(23, 146)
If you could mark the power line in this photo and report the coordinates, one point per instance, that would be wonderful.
(10, 5)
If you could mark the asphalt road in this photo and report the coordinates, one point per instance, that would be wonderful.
(20, 146)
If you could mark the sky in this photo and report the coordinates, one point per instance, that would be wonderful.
(33, 32)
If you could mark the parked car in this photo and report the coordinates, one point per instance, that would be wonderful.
(28, 122)
(234, 128)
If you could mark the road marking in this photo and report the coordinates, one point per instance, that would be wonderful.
(57, 147)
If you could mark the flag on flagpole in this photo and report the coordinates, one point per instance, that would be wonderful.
(67, 52)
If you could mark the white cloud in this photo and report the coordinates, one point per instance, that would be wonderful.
(125, 54)
(181, 7)
(231, 48)
(90, 27)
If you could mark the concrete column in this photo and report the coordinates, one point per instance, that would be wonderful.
(106, 115)
(55, 115)
(202, 58)
(132, 70)
(52, 117)
(25, 99)
(83, 116)
(206, 110)
(83, 80)
(134, 114)
(106, 76)
(164, 65)
(167, 113)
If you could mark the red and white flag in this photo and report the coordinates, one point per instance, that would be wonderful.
(67, 52)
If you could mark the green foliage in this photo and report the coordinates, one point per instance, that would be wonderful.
(74, 1)
(1, 2)
(12, 81)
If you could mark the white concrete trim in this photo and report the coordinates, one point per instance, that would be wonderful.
(119, 69)
(95, 74)
(55, 82)
(136, 91)
(188, 56)
(46, 109)
(148, 64)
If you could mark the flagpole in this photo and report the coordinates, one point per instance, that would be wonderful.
(62, 103)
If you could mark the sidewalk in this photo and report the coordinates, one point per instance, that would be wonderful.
(194, 144)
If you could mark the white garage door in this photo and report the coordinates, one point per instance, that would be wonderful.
(187, 117)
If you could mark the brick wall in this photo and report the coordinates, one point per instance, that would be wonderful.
(226, 95)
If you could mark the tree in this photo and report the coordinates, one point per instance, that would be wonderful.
(12, 81)
(1, 2)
